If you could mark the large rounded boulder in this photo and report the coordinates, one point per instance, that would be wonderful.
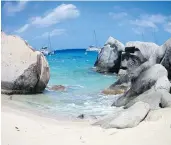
(145, 81)
(126, 118)
(109, 58)
(23, 70)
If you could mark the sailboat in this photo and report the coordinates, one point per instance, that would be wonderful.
(45, 49)
(92, 47)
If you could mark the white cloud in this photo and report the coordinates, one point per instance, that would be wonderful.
(151, 22)
(167, 27)
(60, 13)
(55, 32)
(142, 30)
(143, 23)
(23, 28)
(118, 15)
(157, 18)
(138, 30)
(10, 8)
(145, 20)
(118, 8)
(57, 15)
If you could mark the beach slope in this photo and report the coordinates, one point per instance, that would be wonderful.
(25, 128)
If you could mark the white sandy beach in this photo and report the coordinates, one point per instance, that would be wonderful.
(25, 128)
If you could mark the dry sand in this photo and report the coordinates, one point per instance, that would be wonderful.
(25, 128)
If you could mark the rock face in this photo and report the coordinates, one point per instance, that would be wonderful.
(166, 61)
(131, 60)
(146, 48)
(125, 118)
(159, 56)
(144, 55)
(109, 58)
(162, 84)
(144, 82)
(155, 115)
(23, 69)
(155, 99)
(153, 90)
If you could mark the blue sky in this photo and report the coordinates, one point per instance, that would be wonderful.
(71, 24)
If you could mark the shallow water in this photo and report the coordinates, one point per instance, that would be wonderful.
(74, 69)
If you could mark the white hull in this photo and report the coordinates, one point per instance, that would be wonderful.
(45, 52)
(93, 49)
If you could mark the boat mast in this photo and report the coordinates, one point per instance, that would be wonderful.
(142, 36)
(154, 34)
(95, 38)
(49, 41)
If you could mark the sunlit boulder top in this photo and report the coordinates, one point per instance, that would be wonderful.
(115, 43)
(146, 48)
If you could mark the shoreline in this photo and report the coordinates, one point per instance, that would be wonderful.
(43, 104)
(21, 126)
(6, 101)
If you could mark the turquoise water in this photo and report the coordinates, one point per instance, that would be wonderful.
(74, 70)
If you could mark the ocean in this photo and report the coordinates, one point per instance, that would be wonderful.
(73, 68)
